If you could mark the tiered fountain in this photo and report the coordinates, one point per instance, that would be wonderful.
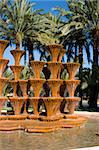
(51, 118)
(53, 103)
(72, 101)
(36, 84)
(17, 101)
(3, 80)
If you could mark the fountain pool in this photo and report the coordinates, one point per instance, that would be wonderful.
(64, 139)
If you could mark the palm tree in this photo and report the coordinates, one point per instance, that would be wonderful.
(85, 14)
(56, 31)
(88, 13)
(21, 24)
(16, 22)
(49, 34)
(31, 41)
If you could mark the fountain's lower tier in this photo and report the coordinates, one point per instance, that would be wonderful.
(38, 126)
(3, 82)
(46, 121)
(50, 110)
(53, 120)
(71, 104)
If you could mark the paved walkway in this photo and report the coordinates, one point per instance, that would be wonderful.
(88, 148)
(93, 115)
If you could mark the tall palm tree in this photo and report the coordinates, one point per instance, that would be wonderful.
(21, 24)
(16, 22)
(85, 13)
(49, 34)
(88, 13)
(32, 41)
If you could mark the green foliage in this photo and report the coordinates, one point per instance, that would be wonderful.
(64, 75)
(16, 24)
(86, 12)
(51, 33)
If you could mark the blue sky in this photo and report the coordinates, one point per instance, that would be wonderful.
(47, 5)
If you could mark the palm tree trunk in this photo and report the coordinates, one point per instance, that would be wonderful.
(94, 78)
(69, 53)
(25, 55)
(30, 50)
(80, 73)
(75, 59)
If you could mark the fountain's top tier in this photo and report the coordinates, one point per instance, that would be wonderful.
(3, 46)
(55, 50)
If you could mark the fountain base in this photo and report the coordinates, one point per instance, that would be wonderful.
(36, 126)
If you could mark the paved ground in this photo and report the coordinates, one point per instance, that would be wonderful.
(94, 115)
(88, 148)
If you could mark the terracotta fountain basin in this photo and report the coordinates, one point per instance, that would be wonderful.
(3, 45)
(52, 105)
(54, 85)
(37, 86)
(3, 64)
(17, 104)
(54, 68)
(14, 86)
(2, 102)
(71, 86)
(17, 54)
(54, 50)
(72, 103)
(34, 103)
(72, 69)
(61, 54)
(37, 67)
(17, 71)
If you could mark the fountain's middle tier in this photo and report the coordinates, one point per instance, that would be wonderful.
(17, 71)
(37, 67)
(37, 86)
(3, 82)
(23, 84)
(72, 69)
(71, 86)
(3, 64)
(54, 68)
(54, 85)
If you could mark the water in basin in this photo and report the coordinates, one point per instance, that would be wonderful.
(64, 139)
